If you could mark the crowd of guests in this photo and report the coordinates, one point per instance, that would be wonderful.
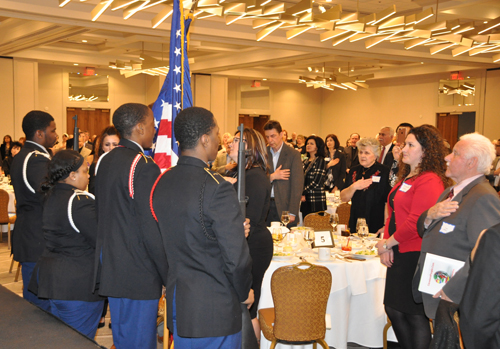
(127, 231)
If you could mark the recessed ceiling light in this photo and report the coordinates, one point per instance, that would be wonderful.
(75, 63)
(485, 22)
(421, 62)
(84, 40)
(264, 79)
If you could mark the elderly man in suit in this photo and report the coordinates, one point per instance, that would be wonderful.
(351, 152)
(287, 175)
(28, 171)
(451, 227)
(385, 137)
(222, 163)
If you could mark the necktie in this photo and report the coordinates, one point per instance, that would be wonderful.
(450, 194)
(381, 154)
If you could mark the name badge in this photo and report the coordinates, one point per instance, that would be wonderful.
(376, 179)
(323, 239)
(405, 187)
(327, 159)
(446, 228)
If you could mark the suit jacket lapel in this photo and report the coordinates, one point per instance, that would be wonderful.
(458, 198)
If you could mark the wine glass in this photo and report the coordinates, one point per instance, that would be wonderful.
(277, 235)
(285, 218)
(334, 221)
(363, 233)
(309, 237)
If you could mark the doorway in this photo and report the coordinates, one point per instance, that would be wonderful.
(89, 119)
(454, 125)
(256, 122)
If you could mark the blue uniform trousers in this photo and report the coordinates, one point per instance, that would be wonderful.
(82, 316)
(26, 271)
(232, 341)
(134, 322)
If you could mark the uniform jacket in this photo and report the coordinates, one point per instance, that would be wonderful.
(65, 269)
(479, 208)
(314, 182)
(209, 263)
(27, 239)
(133, 264)
(287, 194)
(351, 160)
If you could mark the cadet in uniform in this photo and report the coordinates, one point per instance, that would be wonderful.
(64, 272)
(202, 228)
(28, 170)
(132, 264)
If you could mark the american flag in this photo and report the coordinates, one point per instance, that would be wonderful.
(175, 94)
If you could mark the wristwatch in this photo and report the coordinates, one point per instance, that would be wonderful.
(385, 245)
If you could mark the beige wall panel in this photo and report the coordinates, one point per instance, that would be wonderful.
(218, 103)
(25, 91)
(7, 99)
(296, 107)
(50, 94)
(201, 86)
(492, 105)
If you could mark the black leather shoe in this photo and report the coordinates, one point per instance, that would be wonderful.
(109, 325)
(101, 325)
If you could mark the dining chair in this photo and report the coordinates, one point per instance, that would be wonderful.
(344, 212)
(16, 279)
(4, 215)
(300, 294)
(319, 221)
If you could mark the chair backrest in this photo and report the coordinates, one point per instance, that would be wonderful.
(319, 221)
(344, 212)
(300, 297)
(4, 207)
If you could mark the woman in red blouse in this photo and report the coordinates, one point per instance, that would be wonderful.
(421, 179)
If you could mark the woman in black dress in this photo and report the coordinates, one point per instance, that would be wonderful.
(258, 191)
(64, 273)
(367, 185)
(6, 145)
(335, 164)
(313, 196)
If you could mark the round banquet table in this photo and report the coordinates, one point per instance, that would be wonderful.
(355, 303)
(11, 207)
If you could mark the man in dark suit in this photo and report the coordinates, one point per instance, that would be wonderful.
(287, 175)
(480, 309)
(203, 234)
(131, 265)
(351, 152)
(451, 227)
(385, 137)
(28, 171)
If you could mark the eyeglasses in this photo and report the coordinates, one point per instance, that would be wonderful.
(237, 140)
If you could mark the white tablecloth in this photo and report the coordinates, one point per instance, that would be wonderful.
(355, 304)
(12, 207)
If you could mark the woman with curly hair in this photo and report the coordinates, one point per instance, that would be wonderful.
(258, 191)
(64, 273)
(421, 179)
